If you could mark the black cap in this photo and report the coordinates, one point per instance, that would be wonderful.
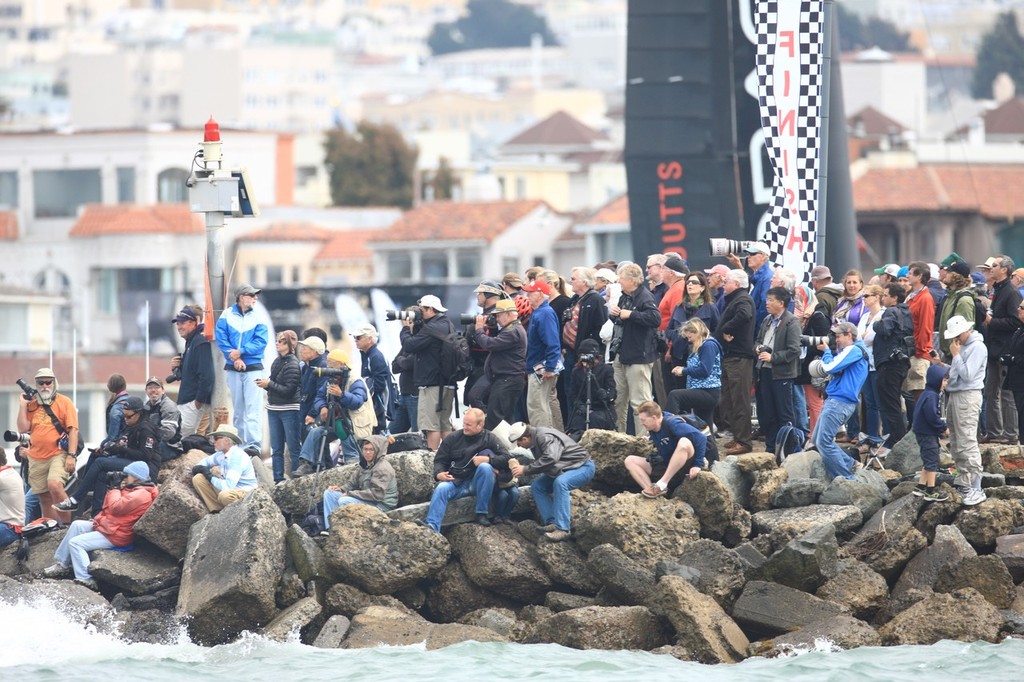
(134, 403)
(961, 268)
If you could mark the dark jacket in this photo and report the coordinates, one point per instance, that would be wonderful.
(310, 387)
(1003, 323)
(938, 293)
(602, 400)
(506, 350)
(891, 332)
(639, 331)
(457, 450)
(553, 451)
(593, 313)
(425, 345)
(1013, 355)
(786, 348)
(165, 416)
(737, 321)
(828, 299)
(680, 348)
(377, 378)
(139, 443)
(927, 418)
(404, 365)
(816, 325)
(285, 381)
(196, 369)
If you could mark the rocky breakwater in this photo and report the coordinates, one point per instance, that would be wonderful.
(746, 559)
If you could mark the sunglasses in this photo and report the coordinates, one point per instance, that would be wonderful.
(44, 382)
(694, 281)
(129, 413)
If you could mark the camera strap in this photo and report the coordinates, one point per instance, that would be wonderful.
(60, 427)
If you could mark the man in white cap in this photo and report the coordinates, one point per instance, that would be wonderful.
(243, 339)
(887, 274)
(966, 379)
(436, 393)
(376, 374)
(227, 475)
(51, 419)
(758, 262)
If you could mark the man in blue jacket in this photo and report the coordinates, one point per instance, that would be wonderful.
(677, 445)
(313, 354)
(849, 369)
(243, 339)
(543, 357)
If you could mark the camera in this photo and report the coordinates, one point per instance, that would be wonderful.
(470, 318)
(415, 315)
(175, 374)
(723, 247)
(814, 341)
(15, 437)
(115, 478)
(29, 391)
(330, 372)
(587, 359)
(762, 349)
(1005, 358)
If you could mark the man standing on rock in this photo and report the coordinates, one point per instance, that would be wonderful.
(849, 370)
(226, 475)
(676, 444)
(963, 409)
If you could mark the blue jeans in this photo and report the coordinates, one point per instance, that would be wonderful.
(284, 428)
(33, 509)
(872, 426)
(7, 535)
(405, 414)
(834, 414)
(76, 545)
(247, 402)
(505, 500)
(481, 485)
(311, 446)
(551, 495)
(800, 409)
(334, 499)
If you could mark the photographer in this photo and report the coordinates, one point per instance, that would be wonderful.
(376, 375)
(505, 367)
(849, 369)
(51, 421)
(227, 475)
(194, 369)
(584, 318)
(406, 405)
(113, 526)
(12, 502)
(637, 318)
(477, 386)
(892, 348)
(346, 413)
(164, 414)
(436, 399)
(138, 443)
(593, 392)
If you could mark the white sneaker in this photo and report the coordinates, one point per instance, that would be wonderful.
(974, 497)
(56, 571)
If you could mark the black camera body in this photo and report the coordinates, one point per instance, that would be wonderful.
(762, 349)
(415, 315)
(175, 374)
(29, 391)
(491, 322)
(331, 372)
(115, 478)
(588, 359)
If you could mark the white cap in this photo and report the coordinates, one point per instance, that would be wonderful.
(933, 270)
(365, 330)
(516, 431)
(956, 326)
(758, 247)
(607, 275)
(431, 301)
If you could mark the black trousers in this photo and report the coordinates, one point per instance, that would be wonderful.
(702, 401)
(774, 405)
(503, 398)
(889, 382)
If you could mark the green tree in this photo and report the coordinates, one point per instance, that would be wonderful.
(855, 34)
(1001, 51)
(444, 180)
(372, 167)
(489, 23)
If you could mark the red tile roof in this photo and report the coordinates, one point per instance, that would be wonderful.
(347, 245)
(8, 225)
(558, 129)
(288, 232)
(874, 122)
(449, 220)
(985, 189)
(615, 212)
(97, 220)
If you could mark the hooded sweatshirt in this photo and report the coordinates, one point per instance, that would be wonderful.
(849, 368)
(967, 369)
(927, 418)
(374, 481)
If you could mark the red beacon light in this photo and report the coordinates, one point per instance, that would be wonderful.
(212, 131)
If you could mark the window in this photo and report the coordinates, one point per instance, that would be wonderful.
(538, 261)
(468, 264)
(126, 185)
(509, 265)
(520, 187)
(434, 265)
(59, 193)
(112, 284)
(304, 174)
(14, 331)
(296, 276)
(170, 186)
(399, 267)
(275, 276)
(9, 189)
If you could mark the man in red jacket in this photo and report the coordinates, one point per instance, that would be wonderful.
(112, 527)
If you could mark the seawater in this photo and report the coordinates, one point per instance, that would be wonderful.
(43, 643)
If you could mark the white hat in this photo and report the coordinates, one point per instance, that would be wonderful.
(607, 275)
(365, 330)
(956, 326)
(315, 343)
(933, 271)
(757, 247)
(431, 301)
(516, 431)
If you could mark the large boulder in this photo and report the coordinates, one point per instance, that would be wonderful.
(377, 625)
(887, 555)
(766, 486)
(627, 580)
(867, 491)
(451, 595)
(646, 530)
(845, 632)
(179, 469)
(300, 496)
(609, 450)
(77, 602)
(982, 524)
(414, 472)
(347, 600)
(567, 565)
(233, 563)
(844, 518)
(858, 588)
(755, 462)
(905, 456)
(986, 574)
(702, 626)
(720, 572)
(711, 500)
(306, 555)
(333, 633)
(772, 609)
(500, 560)
(499, 620)
(937, 514)
(168, 520)
(369, 550)
(806, 562)
(734, 478)
(805, 465)
(141, 571)
(1010, 548)
(601, 627)
(895, 518)
(948, 548)
(963, 615)
(40, 555)
(797, 492)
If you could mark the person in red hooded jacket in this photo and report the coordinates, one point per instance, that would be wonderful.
(113, 527)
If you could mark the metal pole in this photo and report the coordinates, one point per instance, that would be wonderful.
(215, 280)
(146, 376)
(826, 87)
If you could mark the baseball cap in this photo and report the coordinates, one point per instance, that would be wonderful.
(247, 290)
(960, 267)
(757, 247)
(431, 301)
(1019, 272)
(185, 314)
(677, 265)
(904, 272)
(315, 344)
(989, 263)
(364, 330)
(845, 328)
(489, 287)
(513, 280)
(821, 272)
(516, 431)
(134, 403)
(607, 275)
(154, 380)
(950, 259)
(717, 270)
(538, 285)
(891, 269)
(978, 278)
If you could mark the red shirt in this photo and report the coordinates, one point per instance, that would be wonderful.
(672, 298)
(922, 312)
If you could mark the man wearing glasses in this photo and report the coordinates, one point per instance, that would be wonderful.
(848, 367)
(243, 339)
(51, 455)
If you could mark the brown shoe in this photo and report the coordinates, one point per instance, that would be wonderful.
(739, 449)
(986, 439)
(730, 444)
(557, 535)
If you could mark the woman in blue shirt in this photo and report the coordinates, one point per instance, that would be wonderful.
(703, 375)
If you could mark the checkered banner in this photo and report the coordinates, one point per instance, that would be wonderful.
(789, 65)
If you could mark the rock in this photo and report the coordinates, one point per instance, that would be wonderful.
(962, 615)
(798, 492)
(711, 502)
(297, 496)
(40, 555)
(982, 524)
(141, 571)
(378, 625)
(948, 548)
(700, 623)
(379, 555)
(414, 472)
(645, 530)
(179, 470)
(845, 519)
(447, 634)
(346, 600)
(736, 482)
(302, 617)
(561, 601)
(413, 597)
(992, 480)
(609, 450)
(986, 574)
(889, 554)
(867, 492)
(721, 573)
(1013, 622)
(333, 633)
(307, 556)
(77, 602)
(905, 456)
(565, 563)
(750, 554)
(895, 518)
(771, 609)
(806, 562)
(858, 588)
(290, 589)
(626, 579)
(462, 510)
(168, 520)
(150, 626)
(1005, 492)
(937, 514)
(601, 627)
(163, 600)
(766, 487)
(232, 566)
(756, 462)
(264, 476)
(739, 528)
(1010, 548)
(500, 560)
(805, 465)
(499, 620)
(452, 595)
(845, 632)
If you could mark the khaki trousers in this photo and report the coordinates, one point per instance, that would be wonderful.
(216, 499)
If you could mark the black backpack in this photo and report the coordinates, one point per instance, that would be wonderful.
(980, 309)
(456, 363)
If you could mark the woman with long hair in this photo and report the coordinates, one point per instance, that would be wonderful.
(815, 323)
(872, 416)
(698, 304)
(850, 308)
(703, 376)
(283, 398)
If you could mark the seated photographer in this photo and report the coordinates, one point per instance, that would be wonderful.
(112, 527)
(226, 475)
(162, 411)
(676, 443)
(137, 444)
(373, 482)
(592, 392)
(12, 502)
(346, 413)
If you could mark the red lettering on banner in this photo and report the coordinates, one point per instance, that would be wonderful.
(787, 120)
(785, 83)
(670, 171)
(787, 41)
(794, 238)
(670, 206)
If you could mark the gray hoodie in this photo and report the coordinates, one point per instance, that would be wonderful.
(376, 481)
(967, 370)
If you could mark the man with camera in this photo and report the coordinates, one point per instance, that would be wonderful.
(635, 345)
(113, 526)
(425, 341)
(227, 475)
(194, 369)
(778, 364)
(138, 443)
(51, 420)
(892, 349)
(592, 397)
(242, 340)
(735, 334)
(477, 386)
(849, 369)
(1000, 409)
(376, 374)
(586, 314)
(162, 411)
(758, 261)
(463, 467)
(505, 366)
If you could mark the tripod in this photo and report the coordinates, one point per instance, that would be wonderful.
(874, 458)
(588, 374)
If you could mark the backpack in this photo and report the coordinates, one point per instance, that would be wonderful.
(456, 363)
(788, 440)
(980, 309)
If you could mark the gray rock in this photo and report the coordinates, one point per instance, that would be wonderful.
(798, 492)
(346, 600)
(303, 617)
(700, 623)
(948, 548)
(414, 471)
(735, 480)
(739, 528)
(845, 519)
(451, 595)
(750, 554)
(77, 602)
(895, 518)
(772, 609)
(500, 560)
(333, 633)
(806, 562)
(290, 589)
(264, 476)
(379, 555)
(986, 574)
(601, 627)
(141, 571)
(499, 620)
(377, 625)
(1010, 548)
(721, 572)
(711, 500)
(150, 626)
(766, 486)
(627, 580)
(295, 496)
(232, 567)
(982, 524)
(936, 514)
(646, 530)
(462, 510)
(567, 565)
(890, 554)
(40, 555)
(179, 470)
(962, 615)
(845, 632)
(867, 492)
(168, 520)
(755, 462)
(307, 556)
(562, 601)
(609, 450)
(805, 465)
(992, 480)
(858, 588)
(905, 456)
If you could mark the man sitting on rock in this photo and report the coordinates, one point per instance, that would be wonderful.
(563, 464)
(373, 482)
(226, 475)
(113, 526)
(463, 467)
(676, 444)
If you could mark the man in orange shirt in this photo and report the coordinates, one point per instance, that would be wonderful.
(51, 455)
(922, 312)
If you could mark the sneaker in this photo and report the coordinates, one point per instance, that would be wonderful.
(557, 535)
(482, 520)
(56, 571)
(653, 491)
(305, 468)
(69, 504)
(502, 520)
(962, 490)
(90, 583)
(919, 490)
(934, 496)
(547, 528)
(974, 497)
(324, 533)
